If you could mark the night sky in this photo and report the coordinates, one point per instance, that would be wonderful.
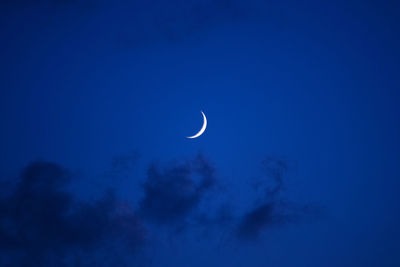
(299, 164)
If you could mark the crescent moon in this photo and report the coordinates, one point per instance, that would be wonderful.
(203, 128)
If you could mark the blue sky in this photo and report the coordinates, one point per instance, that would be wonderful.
(303, 95)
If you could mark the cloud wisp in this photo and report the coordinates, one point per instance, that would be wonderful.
(272, 209)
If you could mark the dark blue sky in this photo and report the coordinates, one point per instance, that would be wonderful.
(299, 165)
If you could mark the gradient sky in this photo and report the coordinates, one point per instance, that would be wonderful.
(302, 100)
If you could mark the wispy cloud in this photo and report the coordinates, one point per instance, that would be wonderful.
(272, 209)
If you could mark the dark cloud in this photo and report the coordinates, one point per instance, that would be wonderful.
(257, 219)
(272, 210)
(41, 224)
(275, 169)
(171, 193)
(275, 213)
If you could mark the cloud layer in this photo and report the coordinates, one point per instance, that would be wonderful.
(43, 224)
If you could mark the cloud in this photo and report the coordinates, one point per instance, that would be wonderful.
(41, 224)
(172, 193)
(275, 168)
(272, 210)
(257, 219)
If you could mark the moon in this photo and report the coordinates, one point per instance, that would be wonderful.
(203, 128)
